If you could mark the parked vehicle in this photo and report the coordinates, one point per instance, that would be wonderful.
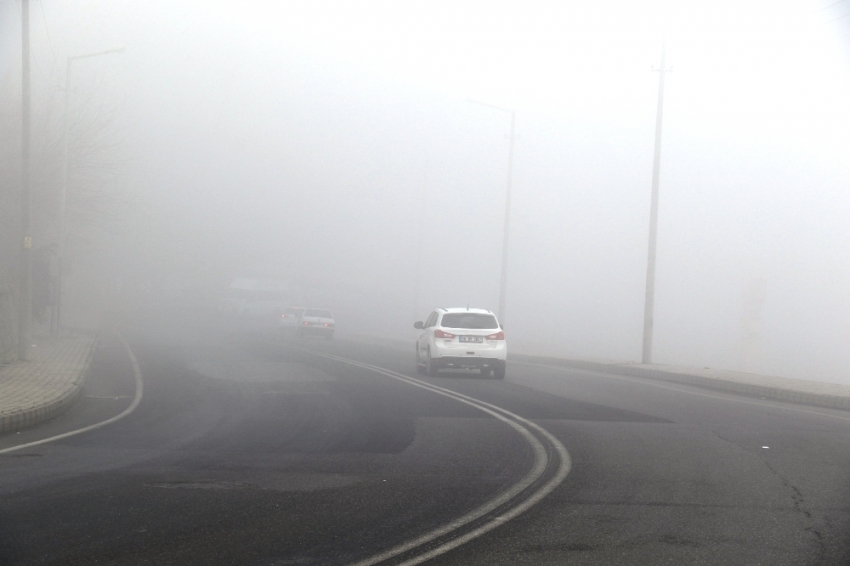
(289, 319)
(316, 322)
(457, 338)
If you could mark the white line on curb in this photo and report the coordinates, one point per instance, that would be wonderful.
(541, 460)
(137, 374)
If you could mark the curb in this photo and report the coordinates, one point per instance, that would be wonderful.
(712, 383)
(31, 417)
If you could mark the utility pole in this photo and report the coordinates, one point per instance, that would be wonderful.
(25, 294)
(649, 301)
(503, 278)
(63, 190)
(421, 217)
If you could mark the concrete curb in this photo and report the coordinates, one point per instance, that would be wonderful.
(712, 383)
(35, 415)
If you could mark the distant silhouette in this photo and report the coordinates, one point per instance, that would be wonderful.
(43, 283)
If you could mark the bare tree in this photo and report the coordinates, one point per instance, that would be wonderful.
(96, 198)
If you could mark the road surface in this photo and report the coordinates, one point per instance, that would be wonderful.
(251, 449)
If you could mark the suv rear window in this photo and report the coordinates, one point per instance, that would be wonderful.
(318, 313)
(469, 320)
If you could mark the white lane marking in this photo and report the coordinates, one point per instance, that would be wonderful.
(137, 374)
(560, 476)
(777, 404)
(541, 461)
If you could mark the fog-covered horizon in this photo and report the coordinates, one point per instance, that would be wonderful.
(336, 145)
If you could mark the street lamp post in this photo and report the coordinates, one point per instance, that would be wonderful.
(649, 299)
(503, 279)
(63, 190)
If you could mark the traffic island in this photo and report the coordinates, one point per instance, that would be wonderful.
(34, 391)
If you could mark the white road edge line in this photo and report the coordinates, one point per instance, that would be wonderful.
(137, 374)
(730, 396)
(519, 424)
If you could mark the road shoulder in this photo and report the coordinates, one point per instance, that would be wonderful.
(812, 393)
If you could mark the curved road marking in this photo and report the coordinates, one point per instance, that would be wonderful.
(541, 461)
(685, 388)
(137, 373)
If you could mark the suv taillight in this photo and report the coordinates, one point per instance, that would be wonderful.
(442, 334)
(497, 336)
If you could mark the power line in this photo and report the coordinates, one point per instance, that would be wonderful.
(838, 18)
(47, 33)
(831, 5)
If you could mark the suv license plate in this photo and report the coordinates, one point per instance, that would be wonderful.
(476, 339)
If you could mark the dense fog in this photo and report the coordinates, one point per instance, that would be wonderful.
(339, 146)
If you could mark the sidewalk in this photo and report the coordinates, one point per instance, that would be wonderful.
(44, 387)
(813, 393)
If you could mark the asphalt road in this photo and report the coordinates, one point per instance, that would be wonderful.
(249, 449)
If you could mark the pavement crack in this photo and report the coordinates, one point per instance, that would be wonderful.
(799, 501)
(797, 498)
(724, 439)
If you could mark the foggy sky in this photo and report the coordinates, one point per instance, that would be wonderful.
(333, 142)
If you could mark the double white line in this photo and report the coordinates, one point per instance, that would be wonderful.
(542, 458)
(137, 398)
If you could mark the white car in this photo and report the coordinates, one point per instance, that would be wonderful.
(317, 322)
(461, 338)
(289, 319)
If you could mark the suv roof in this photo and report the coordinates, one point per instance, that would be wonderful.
(462, 309)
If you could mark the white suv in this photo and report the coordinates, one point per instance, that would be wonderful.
(461, 338)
